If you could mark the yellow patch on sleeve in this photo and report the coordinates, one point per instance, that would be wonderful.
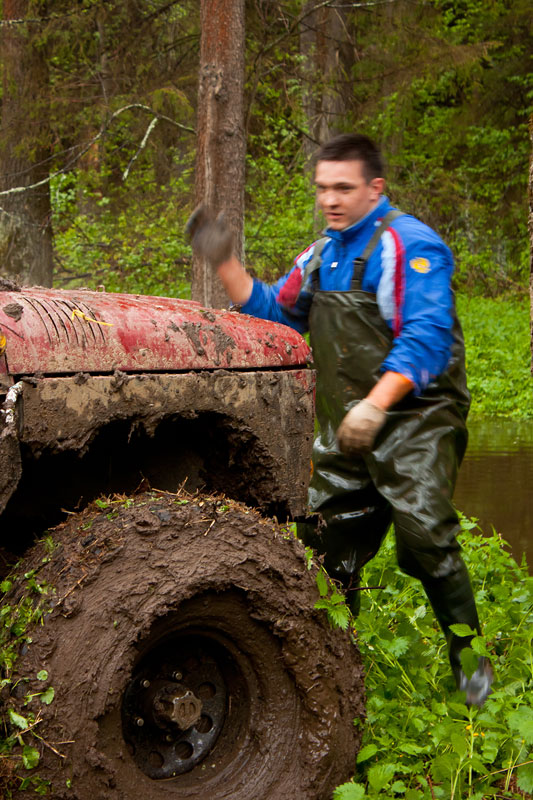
(420, 264)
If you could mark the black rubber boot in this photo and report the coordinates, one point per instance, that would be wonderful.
(478, 687)
(348, 539)
(453, 602)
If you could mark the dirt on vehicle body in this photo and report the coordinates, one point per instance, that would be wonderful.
(178, 628)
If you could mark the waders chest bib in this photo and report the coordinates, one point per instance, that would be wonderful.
(416, 456)
(410, 474)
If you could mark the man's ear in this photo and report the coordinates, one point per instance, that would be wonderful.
(378, 187)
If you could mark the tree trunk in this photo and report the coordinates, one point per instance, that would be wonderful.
(531, 231)
(25, 217)
(322, 36)
(221, 144)
(321, 45)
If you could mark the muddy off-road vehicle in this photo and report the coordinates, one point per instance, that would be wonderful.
(160, 639)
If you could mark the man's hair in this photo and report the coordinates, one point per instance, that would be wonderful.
(354, 147)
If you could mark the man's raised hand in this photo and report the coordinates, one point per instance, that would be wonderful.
(210, 236)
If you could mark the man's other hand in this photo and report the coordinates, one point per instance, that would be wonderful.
(359, 428)
(210, 236)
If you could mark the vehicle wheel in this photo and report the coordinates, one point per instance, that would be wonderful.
(187, 659)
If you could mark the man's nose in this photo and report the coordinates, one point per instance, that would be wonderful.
(330, 198)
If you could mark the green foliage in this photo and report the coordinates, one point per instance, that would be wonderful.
(498, 356)
(331, 601)
(349, 791)
(421, 741)
(444, 86)
(455, 136)
(279, 221)
(30, 757)
(14, 621)
(125, 243)
(20, 739)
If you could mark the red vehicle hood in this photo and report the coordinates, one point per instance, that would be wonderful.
(52, 331)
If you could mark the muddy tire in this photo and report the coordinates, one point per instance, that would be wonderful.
(188, 661)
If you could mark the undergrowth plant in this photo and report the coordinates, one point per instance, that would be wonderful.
(498, 355)
(19, 729)
(421, 742)
(131, 239)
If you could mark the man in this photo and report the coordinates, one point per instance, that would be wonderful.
(392, 400)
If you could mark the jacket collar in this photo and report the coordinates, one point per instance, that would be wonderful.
(349, 234)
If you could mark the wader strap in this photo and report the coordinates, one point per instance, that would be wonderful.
(359, 263)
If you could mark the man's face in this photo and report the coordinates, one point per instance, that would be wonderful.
(343, 193)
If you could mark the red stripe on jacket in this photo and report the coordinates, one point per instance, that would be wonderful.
(399, 282)
(288, 294)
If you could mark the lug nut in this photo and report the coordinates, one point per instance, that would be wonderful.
(139, 721)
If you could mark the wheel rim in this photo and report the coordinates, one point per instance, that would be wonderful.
(175, 705)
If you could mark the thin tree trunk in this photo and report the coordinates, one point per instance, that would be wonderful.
(25, 217)
(221, 146)
(322, 32)
(531, 232)
(322, 36)
(330, 36)
(308, 51)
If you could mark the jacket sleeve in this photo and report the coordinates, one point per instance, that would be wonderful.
(423, 318)
(287, 301)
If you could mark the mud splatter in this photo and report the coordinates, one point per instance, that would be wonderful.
(192, 331)
(13, 310)
(224, 344)
(7, 285)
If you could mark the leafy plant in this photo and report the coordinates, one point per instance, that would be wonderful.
(421, 742)
(20, 736)
(332, 601)
(129, 240)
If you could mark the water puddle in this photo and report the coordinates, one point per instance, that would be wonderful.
(496, 481)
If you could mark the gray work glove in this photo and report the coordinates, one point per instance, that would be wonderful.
(359, 428)
(210, 236)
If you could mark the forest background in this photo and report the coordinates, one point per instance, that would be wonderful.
(99, 110)
(101, 96)
(100, 105)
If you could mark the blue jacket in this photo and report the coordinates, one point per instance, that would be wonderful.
(410, 272)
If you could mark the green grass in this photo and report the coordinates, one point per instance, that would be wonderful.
(498, 355)
(421, 742)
